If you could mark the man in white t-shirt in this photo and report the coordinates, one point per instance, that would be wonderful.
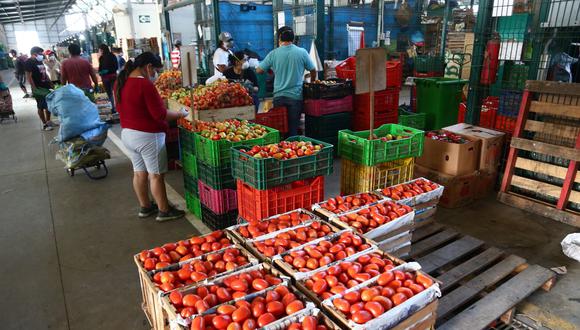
(222, 53)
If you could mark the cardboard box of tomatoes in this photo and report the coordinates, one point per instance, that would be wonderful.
(458, 155)
(385, 300)
(339, 205)
(307, 319)
(415, 192)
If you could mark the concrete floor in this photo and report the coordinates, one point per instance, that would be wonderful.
(67, 243)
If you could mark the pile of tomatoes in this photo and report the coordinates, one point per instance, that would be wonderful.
(199, 269)
(170, 253)
(375, 216)
(291, 239)
(308, 323)
(340, 277)
(325, 252)
(198, 300)
(408, 190)
(253, 313)
(340, 204)
(283, 221)
(392, 288)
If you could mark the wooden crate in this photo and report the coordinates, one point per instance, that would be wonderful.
(544, 152)
(480, 284)
(245, 112)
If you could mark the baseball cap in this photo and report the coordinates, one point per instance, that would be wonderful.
(225, 36)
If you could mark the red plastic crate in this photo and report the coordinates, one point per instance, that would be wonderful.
(276, 118)
(505, 124)
(461, 113)
(218, 201)
(385, 101)
(393, 69)
(361, 122)
(255, 205)
(487, 115)
(429, 74)
(321, 107)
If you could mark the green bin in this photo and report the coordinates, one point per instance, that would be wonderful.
(439, 99)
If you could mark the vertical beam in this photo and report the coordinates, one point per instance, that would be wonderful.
(320, 30)
(481, 34)
(444, 29)
(331, 30)
(380, 21)
(569, 181)
(216, 18)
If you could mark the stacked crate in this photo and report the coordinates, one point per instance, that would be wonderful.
(328, 108)
(189, 164)
(217, 187)
(267, 186)
(385, 160)
(386, 104)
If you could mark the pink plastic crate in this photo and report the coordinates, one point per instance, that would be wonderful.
(218, 201)
(321, 107)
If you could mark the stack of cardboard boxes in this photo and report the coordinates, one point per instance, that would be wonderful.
(468, 171)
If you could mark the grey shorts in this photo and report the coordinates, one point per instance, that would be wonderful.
(146, 150)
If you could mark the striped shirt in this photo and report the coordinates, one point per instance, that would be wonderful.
(175, 58)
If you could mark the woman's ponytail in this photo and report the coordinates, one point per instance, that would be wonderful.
(122, 79)
(140, 61)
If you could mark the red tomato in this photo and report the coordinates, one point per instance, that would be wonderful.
(320, 286)
(226, 309)
(294, 307)
(374, 308)
(342, 305)
(288, 298)
(406, 291)
(198, 323)
(221, 321)
(258, 309)
(239, 285)
(250, 324)
(266, 319)
(275, 307)
(398, 298)
(352, 297)
(176, 298)
(385, 278)
(309, 323)
(241, 314)
(259, 284)
(362, 317)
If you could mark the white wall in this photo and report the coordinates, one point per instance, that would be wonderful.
(127, 24)
(47, 36)
(181, 21)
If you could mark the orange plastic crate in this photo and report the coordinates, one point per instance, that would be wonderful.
(255, 205)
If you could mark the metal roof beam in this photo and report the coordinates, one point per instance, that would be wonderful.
(68, 4)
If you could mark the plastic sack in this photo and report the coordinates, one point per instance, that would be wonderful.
(96, 136)
(571, 246)
(76, 112)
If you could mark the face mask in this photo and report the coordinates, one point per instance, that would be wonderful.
(155, 75)
(245, 66)
(40, 57)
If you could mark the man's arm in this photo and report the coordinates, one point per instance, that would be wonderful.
(63, 74)
(265, 64)
(94, 76)
(30, 80)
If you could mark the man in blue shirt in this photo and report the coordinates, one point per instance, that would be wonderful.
(288, 63)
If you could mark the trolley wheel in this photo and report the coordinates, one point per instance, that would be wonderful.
(98, 165)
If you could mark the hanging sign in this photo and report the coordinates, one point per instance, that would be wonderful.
(144, 18)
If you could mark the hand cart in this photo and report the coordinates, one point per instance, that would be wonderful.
(6, 109)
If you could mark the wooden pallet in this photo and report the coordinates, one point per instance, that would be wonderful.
(480, 284)
(544, 152)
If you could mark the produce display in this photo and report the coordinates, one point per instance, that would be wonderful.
(252, 313)
(170, 253)
(284, 150)
(408, 190)
(390, 137)
(340, 204)
(308, 323)
(328, 82)
(325, 252)
(232, 130)
(206, 266)
(183, 96)
(375, 216)
(200, 299)
(220, 94)
(168, 82)
(291, 239)
(446, 137)
(347, 274)
(270, 225)
(392, 288)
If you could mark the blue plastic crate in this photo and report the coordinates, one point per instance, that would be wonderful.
(509, 103)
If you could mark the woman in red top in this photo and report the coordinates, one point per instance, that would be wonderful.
(144, 122)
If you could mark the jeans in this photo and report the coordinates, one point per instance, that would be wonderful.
(294, 108)
(108, 84)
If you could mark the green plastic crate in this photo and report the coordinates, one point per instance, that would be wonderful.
(411, 119)
(265, 173)
(327, 125)
(216, 177)
(193, 204)
(514, 76)
(427, 63)
(218, 153)
(439, 99)
(186, 141)
(357, 147)
(190, 184)
(189, 163)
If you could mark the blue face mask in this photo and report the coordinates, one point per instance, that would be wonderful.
(154, 78)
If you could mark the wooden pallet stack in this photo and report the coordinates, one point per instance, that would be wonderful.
(540, 174)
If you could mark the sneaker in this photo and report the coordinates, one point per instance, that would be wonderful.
(51, 123)
(145, 212)
(46, 127)
(171, 214)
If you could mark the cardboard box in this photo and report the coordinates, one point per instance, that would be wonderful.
(491, 144)
(451, 158)
(459, 190)
(485, 184)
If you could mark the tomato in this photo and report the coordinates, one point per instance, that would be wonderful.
(294, 326)
(239, 285)
(385, 278)
(282, 290)
(320, 286)
(226, 309)
(406, 291)
(294, 307)
(167, 287)
(266, 319)
(211, 299)
(387, 292)
(221, 321)
(176, 298)
(352, 297)
(395, 284)
(288, 298)
(356, 307)
(201, 306)
(234, 326)
(362, 317)
(312, 263)
(342, 305)
(399, 275)
(198, 323)
(188, 300)
(241, 314)
(249, 324)
(259, 284)
(369, 294)
(258, 309)
(384, 301)
(187, 312)
(423, 280)
(272, 296)
(309, 323)
(223, 295)
(416, 288)
(374, 308)
(275, 307)
(398, 298)
(331, 280)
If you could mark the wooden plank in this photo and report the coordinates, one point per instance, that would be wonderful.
(419, 318)
(453, 276)
(501, 300)
(563, 131)
(543, 168)
(553, 87)
(423, 232)
(543, 188)
(458, 297)
(546, 148)
(534, 206)
(449, 253)
(553, 109)
(566, 193)
(432, 242)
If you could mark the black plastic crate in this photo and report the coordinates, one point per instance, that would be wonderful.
(327, 125)
(341, 89)
(190, 184)
(218, 222)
